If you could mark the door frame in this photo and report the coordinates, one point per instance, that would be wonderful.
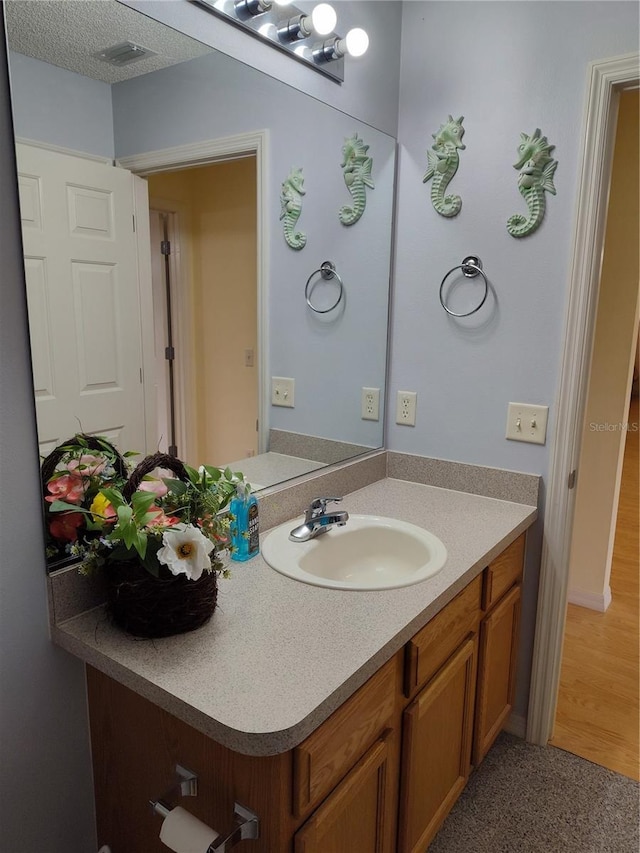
(181, 300)
(606, 79)
(204, 153)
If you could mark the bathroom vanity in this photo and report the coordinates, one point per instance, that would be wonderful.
(348, 721)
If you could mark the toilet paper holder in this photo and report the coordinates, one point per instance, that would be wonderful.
(247, 826)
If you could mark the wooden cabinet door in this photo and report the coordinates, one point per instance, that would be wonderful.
(358, 814)
(436, 749)
(496, 671)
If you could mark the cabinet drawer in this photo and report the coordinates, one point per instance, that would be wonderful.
(502, 573)
(325, 756)
(431, 646)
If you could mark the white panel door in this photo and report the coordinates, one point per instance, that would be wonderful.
(80, 259)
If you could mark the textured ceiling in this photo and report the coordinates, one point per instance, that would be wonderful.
(67, 32)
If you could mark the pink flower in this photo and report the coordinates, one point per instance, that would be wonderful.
(65, 526)
(155, 485)
(160, 519)
(87, 466)
(67, 487)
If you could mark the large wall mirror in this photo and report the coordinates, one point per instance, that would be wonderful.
(185, 232)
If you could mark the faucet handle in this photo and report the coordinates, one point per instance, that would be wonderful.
(319, 505)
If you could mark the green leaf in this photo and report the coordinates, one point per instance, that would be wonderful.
(120, 553)
(115, 498)
(150, 559)
(63, 506)
(141, 544)
(214, 473)
(129, 453)
(193, 475)
(129, 534)
(176, 487)
(141, 501)
(125, 514)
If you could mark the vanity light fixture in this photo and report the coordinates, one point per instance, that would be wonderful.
(251, 7)
(355, 43)
(309, 38)
(321, 21)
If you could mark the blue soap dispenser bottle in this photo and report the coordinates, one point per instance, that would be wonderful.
(244, 524)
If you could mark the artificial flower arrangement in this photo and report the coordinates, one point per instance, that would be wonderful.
(147, 533)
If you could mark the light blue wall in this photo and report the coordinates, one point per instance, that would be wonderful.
(46, 793)
(57, 106)
(331, 358)
(508, 67)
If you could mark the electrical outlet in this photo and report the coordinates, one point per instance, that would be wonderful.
(406, 408)
(370, 404)
(282, 391)
(527, 423)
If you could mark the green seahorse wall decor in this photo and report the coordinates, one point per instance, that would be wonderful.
(291, 208)
(537, 168)
(356, 167)
(442, 164)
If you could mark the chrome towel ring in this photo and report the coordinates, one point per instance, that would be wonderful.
(471, 266)
(328, 271)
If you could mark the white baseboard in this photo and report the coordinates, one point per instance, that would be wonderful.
(516, 725)
(592, 600)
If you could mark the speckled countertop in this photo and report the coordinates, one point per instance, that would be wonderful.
(279, 656)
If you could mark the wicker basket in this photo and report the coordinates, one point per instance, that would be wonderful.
(47, 469)
(146, 606)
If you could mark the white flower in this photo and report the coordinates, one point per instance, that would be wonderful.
(186, 551)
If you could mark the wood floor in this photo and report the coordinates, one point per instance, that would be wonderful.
(598, 714)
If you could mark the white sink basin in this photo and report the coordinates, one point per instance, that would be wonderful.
(369, 552)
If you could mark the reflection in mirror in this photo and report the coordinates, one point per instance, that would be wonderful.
(170, 335)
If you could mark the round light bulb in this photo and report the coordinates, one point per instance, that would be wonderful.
(323, 19)
(357, 41)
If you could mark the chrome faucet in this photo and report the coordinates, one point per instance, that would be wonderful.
(317, 520)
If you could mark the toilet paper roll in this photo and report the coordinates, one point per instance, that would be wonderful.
(184, 833)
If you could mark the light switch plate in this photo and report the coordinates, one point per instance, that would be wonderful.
(282, 391)
(526, 422)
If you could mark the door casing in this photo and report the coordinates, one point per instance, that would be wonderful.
(606, 79)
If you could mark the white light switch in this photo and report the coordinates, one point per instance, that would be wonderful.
(282, 391)
(526, 422)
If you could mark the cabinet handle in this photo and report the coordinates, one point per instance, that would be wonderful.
(410, 668)
(488, 590)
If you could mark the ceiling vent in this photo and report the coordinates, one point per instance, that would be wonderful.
(124, 53)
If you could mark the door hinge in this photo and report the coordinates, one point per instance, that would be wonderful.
(572, 479)
(165, 247)
(169, 353)
(133, 217)
(257, 425)
(141, 376)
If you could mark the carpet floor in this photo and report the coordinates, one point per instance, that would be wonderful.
(531, 799)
